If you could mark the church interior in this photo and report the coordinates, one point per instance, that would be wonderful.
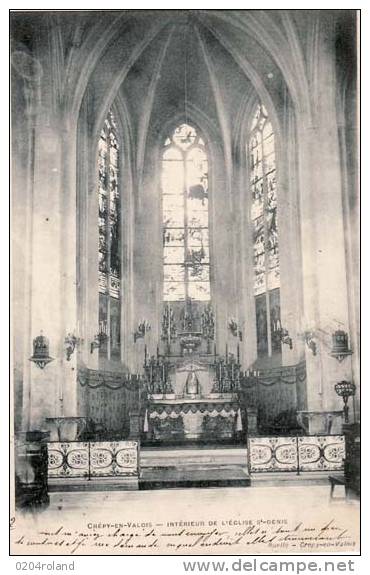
(185, 255)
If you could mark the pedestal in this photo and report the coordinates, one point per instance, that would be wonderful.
(31, 470)
(135, 425)
(321, 422)
(252, 421)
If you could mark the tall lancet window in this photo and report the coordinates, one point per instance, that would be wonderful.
(185, 217)
(261, 153)
(109, 239)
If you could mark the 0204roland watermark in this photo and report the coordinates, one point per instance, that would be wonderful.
(45, 566)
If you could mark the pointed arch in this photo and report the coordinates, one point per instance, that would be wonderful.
(109, 233)
(265, 236)
(184, 186)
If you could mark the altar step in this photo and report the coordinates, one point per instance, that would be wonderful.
(159, 457)
(186, 468)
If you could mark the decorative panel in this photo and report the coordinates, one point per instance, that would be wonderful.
(273, 454)
(113, 458)
(322, 453)
(302, 453)
(93, 459)
(68, 459)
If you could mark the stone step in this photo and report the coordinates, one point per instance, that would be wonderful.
(180, 457)
(176, 478)
(265, 479)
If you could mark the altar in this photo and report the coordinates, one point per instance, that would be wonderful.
(206, 419)
(192, 391)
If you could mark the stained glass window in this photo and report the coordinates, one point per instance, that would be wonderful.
(109, 237)
(262, 170)
(184, 184)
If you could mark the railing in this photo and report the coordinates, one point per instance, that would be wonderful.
(265, 454)
(302, 453)
(93, 459)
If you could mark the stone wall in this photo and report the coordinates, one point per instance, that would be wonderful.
(61, 94)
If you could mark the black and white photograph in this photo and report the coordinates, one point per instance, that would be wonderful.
(185, 270)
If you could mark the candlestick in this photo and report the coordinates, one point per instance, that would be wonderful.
(238, 353)
(214, 350)
(145, 355)
(227, 354)
(169, 325)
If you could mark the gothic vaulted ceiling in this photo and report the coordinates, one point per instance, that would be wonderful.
(203, 64)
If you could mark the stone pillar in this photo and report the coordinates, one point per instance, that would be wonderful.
(289, 238)
(325, 298)
(49, 303)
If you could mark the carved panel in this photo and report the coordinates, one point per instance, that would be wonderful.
(93, 459)
(273, 454)
(68, 459)
(113, 458)
(322, 453)
(307, 453)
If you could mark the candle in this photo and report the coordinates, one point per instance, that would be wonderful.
(169, 325)
(227, 354)
(145, 355)
(214, 350)
(238, 353)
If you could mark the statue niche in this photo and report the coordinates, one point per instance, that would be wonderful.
(192, 386)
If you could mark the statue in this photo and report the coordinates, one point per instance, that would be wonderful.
(192, 383)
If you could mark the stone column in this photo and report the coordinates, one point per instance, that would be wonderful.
(49, 240)
(325, 297)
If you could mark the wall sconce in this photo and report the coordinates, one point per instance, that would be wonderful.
(41, 355)
(70, 343)
(284, 337)
(340, 348)
(309, 338)
(345, 390)
(234, 329)
(100, 337)
(143, 327)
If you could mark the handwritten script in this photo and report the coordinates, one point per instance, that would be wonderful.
(177, 537)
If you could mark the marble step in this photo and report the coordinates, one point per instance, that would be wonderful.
(179, 478)
(189, 457)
